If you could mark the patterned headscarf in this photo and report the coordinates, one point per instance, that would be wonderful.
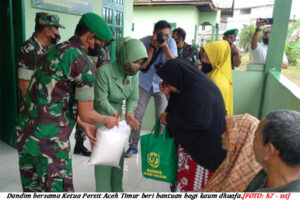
(239, 167)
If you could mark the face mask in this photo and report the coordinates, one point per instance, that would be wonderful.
(131, 69)
(108, 43)
(206, 67)
(55, 39)
(95, 51)
(266, 41)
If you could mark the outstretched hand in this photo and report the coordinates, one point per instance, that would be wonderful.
(131, 121)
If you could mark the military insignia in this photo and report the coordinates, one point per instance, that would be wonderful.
(153, 159)
(127, 82)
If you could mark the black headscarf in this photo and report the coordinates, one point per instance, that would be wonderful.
(196, 115)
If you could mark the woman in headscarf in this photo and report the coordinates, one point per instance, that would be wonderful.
(240, 166)
(116, 82)
(216, 63)
(195, 117)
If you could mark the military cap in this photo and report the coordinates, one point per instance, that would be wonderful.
(233, 31)
(97, 26)
(47, 19)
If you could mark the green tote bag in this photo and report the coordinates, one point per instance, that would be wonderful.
(159, 155)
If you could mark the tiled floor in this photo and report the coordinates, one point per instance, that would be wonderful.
(83, 174)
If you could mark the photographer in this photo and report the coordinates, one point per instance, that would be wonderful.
(160, 48)
(259, 50)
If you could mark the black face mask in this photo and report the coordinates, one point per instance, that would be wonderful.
(108, 43)
(206, 67)
(95, 51)
(266, 41)
(55, 39)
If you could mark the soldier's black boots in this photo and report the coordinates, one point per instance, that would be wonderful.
(80, 149)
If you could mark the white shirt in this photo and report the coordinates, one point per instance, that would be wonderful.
(260, 54)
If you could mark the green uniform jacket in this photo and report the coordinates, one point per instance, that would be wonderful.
(113, 85)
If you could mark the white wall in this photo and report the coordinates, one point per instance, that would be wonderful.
(238, 20)
(264, 11)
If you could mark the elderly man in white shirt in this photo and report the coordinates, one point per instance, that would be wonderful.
(260, 49)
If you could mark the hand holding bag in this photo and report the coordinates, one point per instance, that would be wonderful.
(110, 145)
(159, 155)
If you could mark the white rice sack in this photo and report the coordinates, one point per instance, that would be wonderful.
(110, 145)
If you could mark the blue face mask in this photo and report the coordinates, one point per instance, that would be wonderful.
(206, 67)
(266, 41)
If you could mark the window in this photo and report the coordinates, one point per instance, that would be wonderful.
(245, 11)
(113, 14)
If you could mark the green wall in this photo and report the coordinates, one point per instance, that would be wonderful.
(280, 93)
(128, 17)
(144, 18)
(211, 17)
(70, 21)
(247, 90)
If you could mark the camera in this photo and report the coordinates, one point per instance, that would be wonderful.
(267, 20)
(161, 38)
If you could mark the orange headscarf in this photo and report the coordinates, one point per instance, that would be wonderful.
(219, 55)
(239, 167)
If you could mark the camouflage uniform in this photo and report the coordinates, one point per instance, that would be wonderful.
(103, 57)
(190, 53)
(100, 60)
(47, 117)
(30, 53)
(32, 50)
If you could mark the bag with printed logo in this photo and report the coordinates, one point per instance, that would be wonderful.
(159, 155)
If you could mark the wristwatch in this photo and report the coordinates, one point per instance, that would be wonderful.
(257, 29)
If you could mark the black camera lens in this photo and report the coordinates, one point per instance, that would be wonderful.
(161, 38)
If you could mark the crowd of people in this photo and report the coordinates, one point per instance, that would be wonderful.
(74, 84)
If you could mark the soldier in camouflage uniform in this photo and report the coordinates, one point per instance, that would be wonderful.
(46, 33)
(80, 135)
(103, 57)
(46, 117)
(185, 50)
(236, 57)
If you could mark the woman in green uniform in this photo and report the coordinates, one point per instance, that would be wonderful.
(115, 83)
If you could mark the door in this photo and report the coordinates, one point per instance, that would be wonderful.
(113, 14)
(11, 38)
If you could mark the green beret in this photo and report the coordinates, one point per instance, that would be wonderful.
(233, 31)
(97, 26)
